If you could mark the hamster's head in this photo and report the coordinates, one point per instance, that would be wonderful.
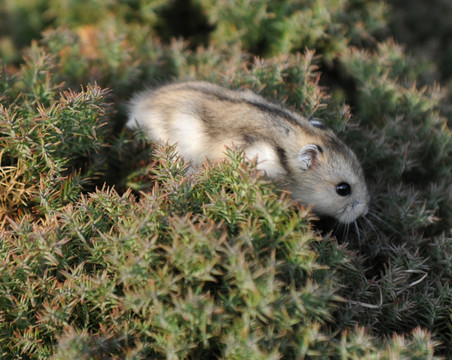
(329, 176)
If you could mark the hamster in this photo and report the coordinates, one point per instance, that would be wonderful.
(202, 118)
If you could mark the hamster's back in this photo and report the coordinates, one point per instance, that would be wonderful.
(202, 118)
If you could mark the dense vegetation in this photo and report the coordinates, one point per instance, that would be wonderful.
(110, 250)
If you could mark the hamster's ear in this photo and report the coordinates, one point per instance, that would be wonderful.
(307, 156)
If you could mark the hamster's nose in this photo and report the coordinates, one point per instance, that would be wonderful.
(363, 206)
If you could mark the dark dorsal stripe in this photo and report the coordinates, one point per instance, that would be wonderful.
(261, 106)
(283, 159)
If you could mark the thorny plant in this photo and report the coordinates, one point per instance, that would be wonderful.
(218, 263)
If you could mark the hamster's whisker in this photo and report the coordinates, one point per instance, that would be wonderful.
(374, 214)
(362, 220)
(338, 230)
(357, 233)
(368, 222)
(379, 219)
(346, 231)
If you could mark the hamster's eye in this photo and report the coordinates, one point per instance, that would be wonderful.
(343, 189)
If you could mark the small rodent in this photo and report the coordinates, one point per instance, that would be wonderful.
(202, 118)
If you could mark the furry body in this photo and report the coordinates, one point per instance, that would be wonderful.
(202, 118)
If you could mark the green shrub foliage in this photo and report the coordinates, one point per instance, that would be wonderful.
(112, 247)
(51, 141)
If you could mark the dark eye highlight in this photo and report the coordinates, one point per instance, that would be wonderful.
(343, 189)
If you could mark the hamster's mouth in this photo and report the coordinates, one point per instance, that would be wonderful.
(352, 212)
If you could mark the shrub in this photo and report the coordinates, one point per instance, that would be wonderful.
(212, 265)
(52, 144)
(109, 249)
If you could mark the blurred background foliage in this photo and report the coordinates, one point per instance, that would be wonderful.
(377, 72)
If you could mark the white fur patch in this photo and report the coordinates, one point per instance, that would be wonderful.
(149, 121)
(267, 159)
(188, 133)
